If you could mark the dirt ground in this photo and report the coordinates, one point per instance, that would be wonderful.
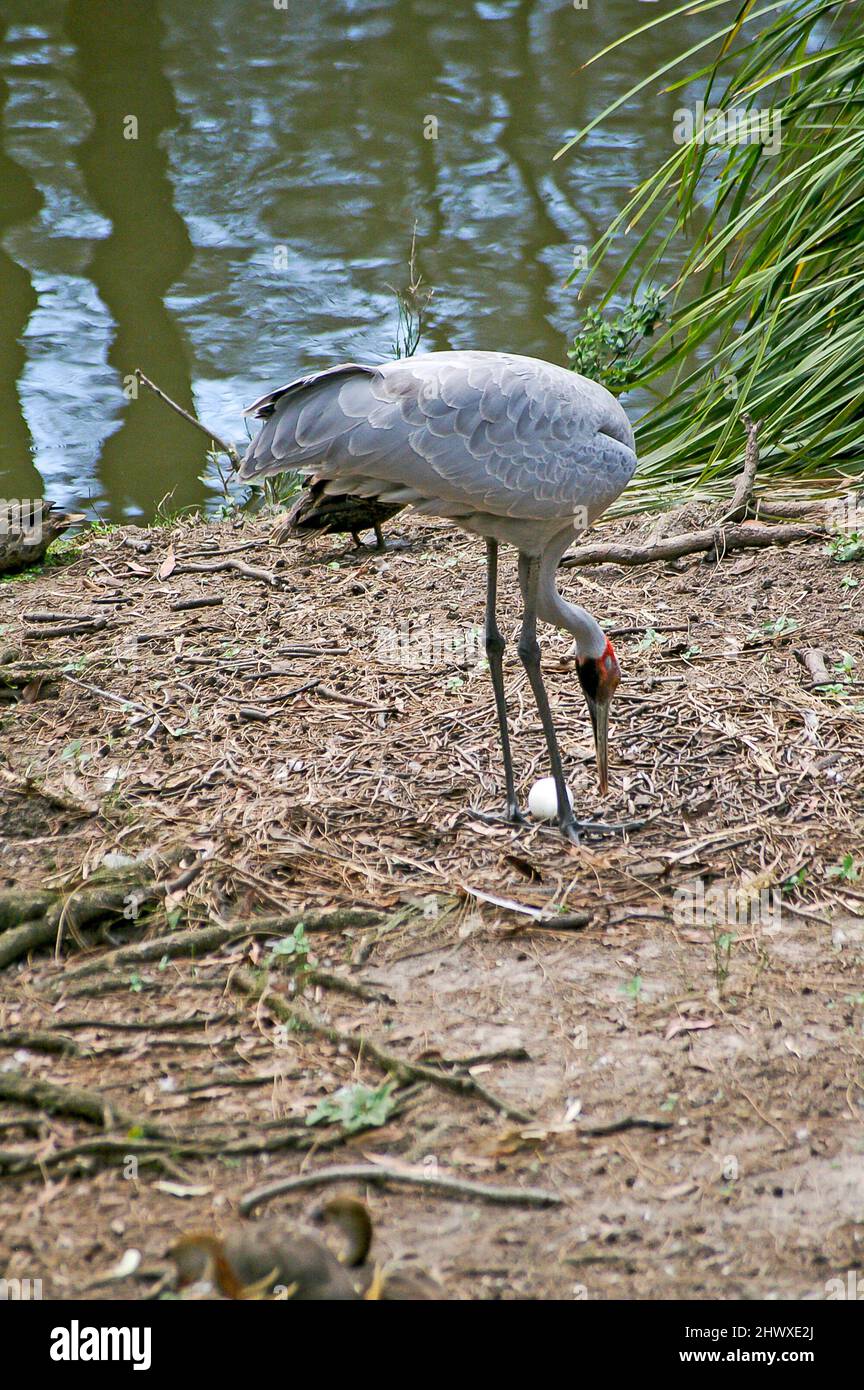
(680, 1070)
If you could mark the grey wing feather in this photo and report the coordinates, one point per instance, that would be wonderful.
(479, 431)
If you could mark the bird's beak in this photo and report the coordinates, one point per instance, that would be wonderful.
(599, 711)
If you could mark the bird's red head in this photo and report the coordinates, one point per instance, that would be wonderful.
(599, 677)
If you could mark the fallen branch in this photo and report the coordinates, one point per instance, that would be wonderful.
(720, 539)
(66, 630)
(58, 1100)
(192, 941)
(17, 906)
(29, 920)
(238, 567)
(742, 498)
(154, 1149)
(43, 1042)
(813, 661)
(381, 1176)
(221, 444)
(621, 1126)
(723, 535)
(195, 941)
(185, 604)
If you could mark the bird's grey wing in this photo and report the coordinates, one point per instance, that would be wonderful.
(479, 431)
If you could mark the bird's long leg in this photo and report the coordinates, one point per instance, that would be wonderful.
(529, 652)
(528, 579)
(495, 656)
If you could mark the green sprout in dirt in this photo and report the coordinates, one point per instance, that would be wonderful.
(777, 627)
(356, 1107)
(295, 949)
(794, 881)
(633, 989)
(649, 640)
(847, 870)
(75, 752)
(845, 667)
(79, 664)
(604, 350)
(846, 547)
(723, 943)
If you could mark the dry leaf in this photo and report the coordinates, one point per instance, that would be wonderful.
(687, 1025)
(168, 565)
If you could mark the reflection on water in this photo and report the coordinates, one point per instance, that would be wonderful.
(20, 201)
(125, 170)
(255, 224)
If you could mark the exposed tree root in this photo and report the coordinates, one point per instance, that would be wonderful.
(246, 982)
(381, 1176)
(720, 539)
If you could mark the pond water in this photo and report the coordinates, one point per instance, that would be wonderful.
(253, 225)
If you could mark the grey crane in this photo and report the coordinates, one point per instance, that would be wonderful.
(513, 449)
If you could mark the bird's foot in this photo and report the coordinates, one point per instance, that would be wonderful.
(511, 816)
(574, 829)
(570, 828)
(395, 543)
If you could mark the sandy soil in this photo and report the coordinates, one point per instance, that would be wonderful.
(687, 1085)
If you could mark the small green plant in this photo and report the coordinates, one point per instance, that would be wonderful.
(776, 627)
(74, 753)
(633, 988)
(648, 641)
(411, 304)
(794, 881)
(846, 547)
(294, 946)
(295, 950)
(79, 664)
(847, 870)
(723, 943)
(281, 488)
(356, 1107)
(604, 350)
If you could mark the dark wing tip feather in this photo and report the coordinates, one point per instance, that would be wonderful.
(264, 406)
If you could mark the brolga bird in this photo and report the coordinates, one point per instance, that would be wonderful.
(513, 449)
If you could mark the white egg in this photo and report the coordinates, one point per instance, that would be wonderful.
(543, 799)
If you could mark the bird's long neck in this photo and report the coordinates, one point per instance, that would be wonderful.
(552, 608)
